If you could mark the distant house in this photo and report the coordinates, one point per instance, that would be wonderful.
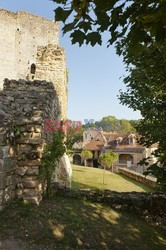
(125, 144)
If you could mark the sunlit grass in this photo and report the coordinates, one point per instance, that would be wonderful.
(86, 177)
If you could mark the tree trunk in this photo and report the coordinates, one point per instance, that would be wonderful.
(104, 176)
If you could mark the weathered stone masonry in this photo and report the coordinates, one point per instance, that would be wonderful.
(22, 136)
(51, 66)
(21, 34)
(30, 51)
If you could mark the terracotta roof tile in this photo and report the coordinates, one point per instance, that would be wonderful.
(94, 145)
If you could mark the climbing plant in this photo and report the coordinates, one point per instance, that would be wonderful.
(52, 153)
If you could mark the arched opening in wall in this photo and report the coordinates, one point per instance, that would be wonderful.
(33, 69)
(77, 159)
(124, 158)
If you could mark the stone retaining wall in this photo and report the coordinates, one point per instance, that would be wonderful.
(140, 202)
(151, 181)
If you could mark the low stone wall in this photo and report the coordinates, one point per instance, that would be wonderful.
(151, 181)
(142, 203)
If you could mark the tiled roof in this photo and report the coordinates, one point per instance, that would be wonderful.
(116, 142)
(94, 146)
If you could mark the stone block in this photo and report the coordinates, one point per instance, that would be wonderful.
(30, 128)
(30, 184)
(10, 180)
(2, 181)
(36, 135)
(4, 151)
(1, 166)
(2, 139)
(38, 129)
(11, 152)
(9, 164)
(24, 148)
(21, 171)
(31, 192)
(32, 171)
(29, 162)
(36, 141)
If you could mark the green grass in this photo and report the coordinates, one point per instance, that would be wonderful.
(92, 178)
(64, 224)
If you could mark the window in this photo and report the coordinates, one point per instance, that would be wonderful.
(33, 69)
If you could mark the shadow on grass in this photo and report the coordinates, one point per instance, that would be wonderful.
(63, 223)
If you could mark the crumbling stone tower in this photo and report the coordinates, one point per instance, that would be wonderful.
(30, 50)
(30, 54)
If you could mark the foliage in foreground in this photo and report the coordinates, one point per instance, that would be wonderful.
(87, 20)
(52, 154)
(146, 91)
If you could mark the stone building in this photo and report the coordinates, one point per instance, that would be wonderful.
(130, 152)
(30, 51)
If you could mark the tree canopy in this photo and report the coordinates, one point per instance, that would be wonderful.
(86, 154)
(138, 30)
(146, 91)
(107, 159)
(74, 135)
(139, 21)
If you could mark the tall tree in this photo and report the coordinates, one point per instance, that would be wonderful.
(146, 91)
(138, 28)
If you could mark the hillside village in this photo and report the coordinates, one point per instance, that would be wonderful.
(125, 144)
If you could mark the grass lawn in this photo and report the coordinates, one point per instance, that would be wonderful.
(86, 177)
(64, 224)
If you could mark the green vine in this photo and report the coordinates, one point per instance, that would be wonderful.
(52, 154)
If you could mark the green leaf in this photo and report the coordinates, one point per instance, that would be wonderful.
(68, 27)
(94, 38)
(78, 37)
(84, 25)
(61, 14)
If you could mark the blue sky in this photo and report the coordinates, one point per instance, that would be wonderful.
(94, 72)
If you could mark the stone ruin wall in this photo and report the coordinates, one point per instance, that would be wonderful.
(27, 39)
(51, 66)
(24, 107)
